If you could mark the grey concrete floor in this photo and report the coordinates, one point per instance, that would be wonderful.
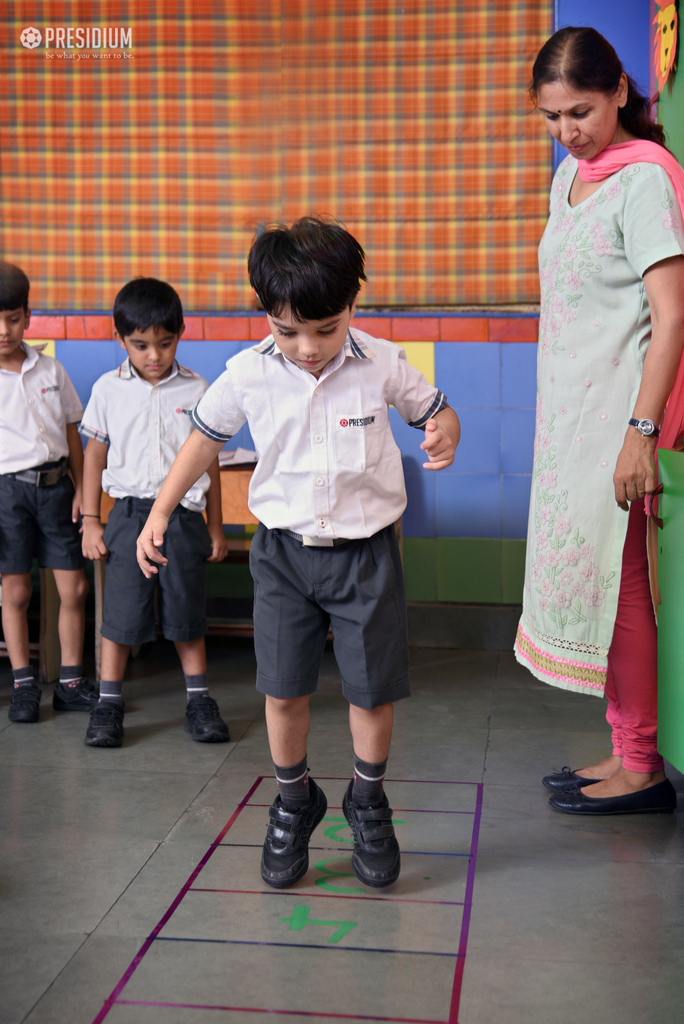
(573, 920)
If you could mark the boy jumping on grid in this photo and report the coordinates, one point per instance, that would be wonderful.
(327, 490)
(136, 420)
(41, 470)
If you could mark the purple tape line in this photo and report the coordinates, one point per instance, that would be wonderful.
(465, 923)
(331, 896)
(132, 967)
(285, 1013)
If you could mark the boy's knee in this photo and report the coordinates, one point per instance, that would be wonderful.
(287, 705)
(73, 586)
(16, 590)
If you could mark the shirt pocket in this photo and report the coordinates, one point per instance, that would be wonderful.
(358, 439)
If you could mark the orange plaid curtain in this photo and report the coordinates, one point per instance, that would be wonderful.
(408, 123)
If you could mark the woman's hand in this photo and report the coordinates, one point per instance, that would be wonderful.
(634, 474)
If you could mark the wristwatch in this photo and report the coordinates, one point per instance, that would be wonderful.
(646, 428)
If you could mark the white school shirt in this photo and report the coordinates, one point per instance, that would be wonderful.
(328, 463)
(35, 406)
(145, 427)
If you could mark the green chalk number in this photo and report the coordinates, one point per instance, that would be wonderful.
(299, 918)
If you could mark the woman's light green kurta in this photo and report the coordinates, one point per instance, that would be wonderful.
(594, 332)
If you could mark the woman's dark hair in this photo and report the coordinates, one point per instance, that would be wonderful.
(14, 287)
(583, 59)
(315, 268)
(146, 302)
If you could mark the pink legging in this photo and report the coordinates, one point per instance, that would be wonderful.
(632, 682)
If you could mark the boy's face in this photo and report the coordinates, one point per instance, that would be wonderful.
(311, 344)
(13, 323)
(151, 351)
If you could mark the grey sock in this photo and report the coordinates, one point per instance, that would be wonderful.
(196, 685)
(293, 784)
(23, 677)
(70, 675)
(368, 780)
(111, 691)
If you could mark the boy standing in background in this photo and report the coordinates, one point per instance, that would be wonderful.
(136, 420)
(41, 472)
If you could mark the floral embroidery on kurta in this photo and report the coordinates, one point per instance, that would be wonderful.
(594, 331)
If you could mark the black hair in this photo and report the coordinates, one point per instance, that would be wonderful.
(315, 268)
(585, 60)
(146, 302)
(14, 287)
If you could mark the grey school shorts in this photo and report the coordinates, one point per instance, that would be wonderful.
(357, 589)
(128, 608)
(38, 519)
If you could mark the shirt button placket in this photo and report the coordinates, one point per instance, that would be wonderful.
(319, 459)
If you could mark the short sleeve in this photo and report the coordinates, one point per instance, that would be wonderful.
(218, 414)
(652, 219)
(414, 398)
(94, 422)
(71, 403)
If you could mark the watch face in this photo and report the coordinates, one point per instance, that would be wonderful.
(646, 427)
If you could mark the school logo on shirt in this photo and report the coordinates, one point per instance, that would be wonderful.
(364, 421)
(54, 387)
(186, 412)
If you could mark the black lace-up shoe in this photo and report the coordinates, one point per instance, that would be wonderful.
(203, 721)
(24, 704)
(376, 859)
(285, 858)
(106, 724)
(74, 698)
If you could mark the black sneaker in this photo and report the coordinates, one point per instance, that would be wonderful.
(285, 858)
(106, 724)
(74, 698)
(376, 859)
(203, 721)
(24, 703)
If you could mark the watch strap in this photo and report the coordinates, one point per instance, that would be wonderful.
(650, 433)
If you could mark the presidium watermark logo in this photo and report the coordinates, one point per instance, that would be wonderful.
(116, 40)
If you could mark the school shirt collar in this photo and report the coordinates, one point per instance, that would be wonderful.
(353, 348)
(127, 371)
(29, 362)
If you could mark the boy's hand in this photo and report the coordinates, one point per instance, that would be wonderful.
(152, 538)
(92, 545)
(219, 544)
(442, 434)
(77, 505)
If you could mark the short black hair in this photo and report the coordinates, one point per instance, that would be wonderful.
(146, 302)
(14, 287)
(315, 268)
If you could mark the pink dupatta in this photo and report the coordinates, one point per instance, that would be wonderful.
(610, 161)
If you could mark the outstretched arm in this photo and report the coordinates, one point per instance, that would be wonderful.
(442, 434)
(194, 459)
(219, 544)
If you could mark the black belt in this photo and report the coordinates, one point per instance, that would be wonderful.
(41, 477)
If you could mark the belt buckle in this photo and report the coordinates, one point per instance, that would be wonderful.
(317, 542)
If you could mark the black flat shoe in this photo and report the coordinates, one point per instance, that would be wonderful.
(559, 780)
(658, 799)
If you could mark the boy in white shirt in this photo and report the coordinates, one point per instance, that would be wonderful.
(41, 470)
(136, 420)
(327, 490)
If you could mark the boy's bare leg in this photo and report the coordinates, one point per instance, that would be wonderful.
(72, 588)
(193, 656)
(114, 659)
(288, 722)
(16, 594)
(371, 732)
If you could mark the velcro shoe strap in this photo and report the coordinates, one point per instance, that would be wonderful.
(283, 835)
(373, 814)
(382, 832)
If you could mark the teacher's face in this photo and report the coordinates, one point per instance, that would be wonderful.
(584, 122)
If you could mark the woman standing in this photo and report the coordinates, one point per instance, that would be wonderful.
(610, 342)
